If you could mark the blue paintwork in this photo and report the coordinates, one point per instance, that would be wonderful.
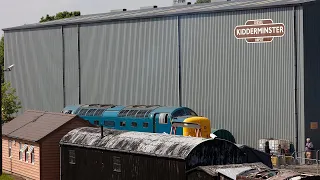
(110, 115)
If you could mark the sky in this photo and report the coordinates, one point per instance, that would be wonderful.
(19, 12)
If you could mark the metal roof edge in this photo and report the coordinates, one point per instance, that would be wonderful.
(118, 150)
(253, 7)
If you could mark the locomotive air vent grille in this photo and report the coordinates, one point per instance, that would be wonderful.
(99, 112)
(83, 112)
(91, 112)
(147, 113)
(123, 113)
(132, 113)
(141, 113)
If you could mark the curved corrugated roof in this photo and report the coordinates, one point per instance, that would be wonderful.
(165, 11)
(154, 144)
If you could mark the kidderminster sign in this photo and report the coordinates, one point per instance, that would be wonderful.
(260, 30)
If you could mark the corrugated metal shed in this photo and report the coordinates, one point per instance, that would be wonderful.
(161, 145)
(35, 125)
(182, 55)
(167, 11)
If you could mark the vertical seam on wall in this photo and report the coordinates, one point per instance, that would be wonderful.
(296, 76)
(79, 68)
(63, 68)
(179, 61)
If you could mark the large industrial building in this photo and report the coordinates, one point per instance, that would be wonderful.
(252, 67)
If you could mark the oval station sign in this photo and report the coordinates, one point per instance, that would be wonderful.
(261, 30)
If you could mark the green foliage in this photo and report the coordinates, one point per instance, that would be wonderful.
(60, 15)
(203, 1)
(2, 57)
(10, 102)
(5, 177)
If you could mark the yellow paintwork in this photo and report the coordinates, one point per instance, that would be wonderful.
(204, 124)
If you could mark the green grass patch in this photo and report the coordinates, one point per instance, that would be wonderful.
(6, 177)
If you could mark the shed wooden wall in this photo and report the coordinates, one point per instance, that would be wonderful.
(14, 165)
(98, 164)
(50, 157)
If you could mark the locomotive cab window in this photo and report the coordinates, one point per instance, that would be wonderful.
(72, 157)
(178, 113)
(163, 118)
(145, 124)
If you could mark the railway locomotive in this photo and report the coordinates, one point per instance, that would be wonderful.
(145, 118)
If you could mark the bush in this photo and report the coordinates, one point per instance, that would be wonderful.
(10, 102)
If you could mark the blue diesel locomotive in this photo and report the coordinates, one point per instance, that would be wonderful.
(145, 118)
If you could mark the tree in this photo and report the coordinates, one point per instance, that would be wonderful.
(60, 15)
(202, 1)
(10, 103)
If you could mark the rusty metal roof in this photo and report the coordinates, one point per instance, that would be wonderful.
(34, 125)
(154, 144)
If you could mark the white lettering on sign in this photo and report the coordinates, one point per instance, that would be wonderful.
(261, 30)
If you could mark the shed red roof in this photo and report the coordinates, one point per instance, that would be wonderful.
(34, 125)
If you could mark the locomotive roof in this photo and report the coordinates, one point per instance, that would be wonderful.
(154, 144)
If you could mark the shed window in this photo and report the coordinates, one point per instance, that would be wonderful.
(109, 123)
(72, 157)
(123, 123)
(145, 124)
(96, 122)
(22, 151)
(31, 152)
(163, 118)
(9, 148)
(134, 124)
(116, 164)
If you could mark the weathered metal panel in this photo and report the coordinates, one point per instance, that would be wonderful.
(152, 144)
(132, 62)
(311, 30)
(37, 75)
(243, 87)
(71, 65)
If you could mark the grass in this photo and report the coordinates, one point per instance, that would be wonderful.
(6, 177)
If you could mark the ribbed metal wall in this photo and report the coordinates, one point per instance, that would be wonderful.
(312, 71)
(300, 77)
(71, 65)
(245, 88)
(37, 75)
(133, 62)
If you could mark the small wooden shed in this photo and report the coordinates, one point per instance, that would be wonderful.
(30, 143)
(97, 153)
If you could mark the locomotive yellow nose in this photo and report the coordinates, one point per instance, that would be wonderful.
(204, 123)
